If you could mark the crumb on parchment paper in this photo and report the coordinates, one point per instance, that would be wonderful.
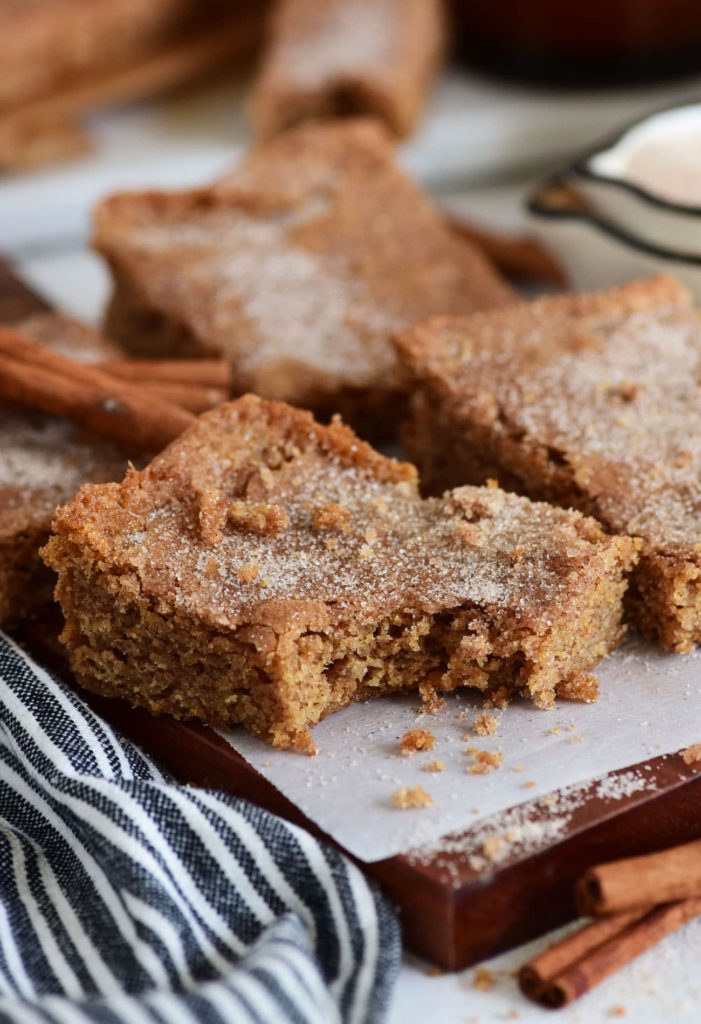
(407, 798)
(692, 754)
(486, 724)
(415, 740)
(483, 979)
(430, 701)
(484, 761)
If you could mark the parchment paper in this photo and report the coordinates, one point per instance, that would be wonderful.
(650, 704)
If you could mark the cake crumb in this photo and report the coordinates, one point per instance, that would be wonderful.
(415, 740)
(211, 516)
(485, 724)
(430, 701)
(434, 766)
(618, 1011)
(492, 846)
(483, 979)
(468, 533)
(485, 761)
(529, 785)
(583, 687)
(331, 518)
(407, 798)
(692, 754)
(258, 517)
(248, 572)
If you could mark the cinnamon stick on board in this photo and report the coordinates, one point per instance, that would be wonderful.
(644, 881)
(209, 373)
(516, 256)
(193, 397)
(573, 967)
(35, 376)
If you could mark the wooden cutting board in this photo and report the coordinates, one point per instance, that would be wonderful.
(454, 912)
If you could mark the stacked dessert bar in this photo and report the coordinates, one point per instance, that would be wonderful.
(266, 568)
(297, 267)
(67, 402)
(588, 401)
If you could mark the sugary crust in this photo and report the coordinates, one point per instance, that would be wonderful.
(330, 58)
(588, 401)
(297, 267)
(442, 343)
(279, 569)
(43, 461)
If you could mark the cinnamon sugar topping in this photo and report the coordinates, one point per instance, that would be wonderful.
(264, 520)
(332, 517)
(248, 572)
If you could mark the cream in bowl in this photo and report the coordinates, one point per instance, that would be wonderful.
(647, 180)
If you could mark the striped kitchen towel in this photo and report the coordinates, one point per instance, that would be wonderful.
(126, 898)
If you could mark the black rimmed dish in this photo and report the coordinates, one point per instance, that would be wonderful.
(647, 178)
(595, 252)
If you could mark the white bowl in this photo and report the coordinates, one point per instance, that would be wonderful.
(595, 253)
(604, 176)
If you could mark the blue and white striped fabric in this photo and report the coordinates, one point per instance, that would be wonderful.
(126, 898)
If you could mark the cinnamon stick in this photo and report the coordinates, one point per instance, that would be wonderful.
(516, 256)
(209, 373)
(42, 379)
(193, 398)
(629, 936)
(17, 299)
(539, 972)
(641, 881)
(215, 46)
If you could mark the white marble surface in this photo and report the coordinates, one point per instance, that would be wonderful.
(661, 987)
(476, 128)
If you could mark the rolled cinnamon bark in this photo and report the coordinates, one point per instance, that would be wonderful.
(207, 373)
(518, 257)
(538, 973)
(44, 380)
(641, 881)
(194, 398)
(17, 299)
(580, 976)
